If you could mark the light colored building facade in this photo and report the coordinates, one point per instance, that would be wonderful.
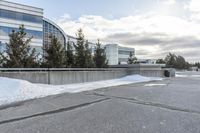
(112, 53)
(146, 61)
(13, 15)
(194, 69)
(124, 54)
(118, 55)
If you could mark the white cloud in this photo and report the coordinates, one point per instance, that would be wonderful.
(149, 33)
(194, 6)
(168, 2)
(99, 27)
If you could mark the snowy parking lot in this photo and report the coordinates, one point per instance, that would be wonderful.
(164, 106)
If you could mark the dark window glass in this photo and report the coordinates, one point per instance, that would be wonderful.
(2, 47)
(20, 16)
(124, 52)
(50, 29)
(5, 31)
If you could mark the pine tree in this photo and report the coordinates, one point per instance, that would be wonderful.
(197, 64)
(83, 55)
(89, 62)
(170, 60)
(132, 59)
(100, 56)
(70, 55)
(80, 50)
(177, 62)
(18, 52)
(54, 56)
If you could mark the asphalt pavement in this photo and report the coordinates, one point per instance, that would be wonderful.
(168, 106)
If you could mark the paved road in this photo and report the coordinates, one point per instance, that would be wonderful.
(168, 106)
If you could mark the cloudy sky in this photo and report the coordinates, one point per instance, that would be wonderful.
(153, 27)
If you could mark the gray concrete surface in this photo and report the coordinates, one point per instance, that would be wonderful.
(168, 106)
(79, 75)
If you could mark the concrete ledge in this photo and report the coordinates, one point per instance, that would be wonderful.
(60, 76)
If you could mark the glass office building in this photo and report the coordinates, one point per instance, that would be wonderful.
(13, 15)
(50, 28)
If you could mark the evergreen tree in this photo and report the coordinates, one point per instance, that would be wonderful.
(70, 55)
(100, 56)
(132, 59)
(197, 64)
(170, 60)
(177, 62)
(54, 56)
(18, 52)
(83, 56)
(180, 63)
(80, 50)
(89, 62)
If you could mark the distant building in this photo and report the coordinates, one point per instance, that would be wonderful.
(118, 55)
(146, 61)
(112, 53)
(194, 69)
(124, 54)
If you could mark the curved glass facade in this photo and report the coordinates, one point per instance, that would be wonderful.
(50, 29)
(20, 16)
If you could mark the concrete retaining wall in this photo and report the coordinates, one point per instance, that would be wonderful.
(69, 77)
(148, 70)
(79, 75)
(34, 77)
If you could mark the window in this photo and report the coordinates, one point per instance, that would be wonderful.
(50, 29)
(5, 31)
(2, 47)
(20, 16)
(125, 52)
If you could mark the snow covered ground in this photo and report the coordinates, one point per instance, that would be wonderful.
(190, 74)
(14, 90)
(152, 85)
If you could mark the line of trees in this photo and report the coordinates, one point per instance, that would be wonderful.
(197, 64)
(19, 54)
(176, 61)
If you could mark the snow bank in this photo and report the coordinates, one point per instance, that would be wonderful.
(14, 90)
(188, 74)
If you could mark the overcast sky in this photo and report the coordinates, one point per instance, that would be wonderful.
(153, 27)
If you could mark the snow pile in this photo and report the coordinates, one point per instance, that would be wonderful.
(13, 90)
